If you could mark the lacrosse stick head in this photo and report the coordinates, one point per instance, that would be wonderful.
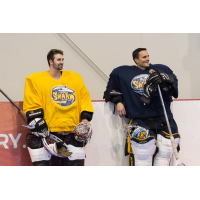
(83, 132)
(55, 146)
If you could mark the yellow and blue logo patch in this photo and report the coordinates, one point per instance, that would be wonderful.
(138, 82)
(63, 96)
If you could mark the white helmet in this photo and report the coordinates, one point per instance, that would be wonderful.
(56, 146)
(83, 132)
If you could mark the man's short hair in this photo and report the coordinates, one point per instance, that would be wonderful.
(136, 52)
(52, 52)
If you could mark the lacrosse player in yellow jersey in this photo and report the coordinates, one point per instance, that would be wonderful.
(58, 109)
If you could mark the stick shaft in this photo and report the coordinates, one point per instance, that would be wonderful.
(168, 126)
(11, 101)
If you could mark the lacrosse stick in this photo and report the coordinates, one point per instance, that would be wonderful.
(11, 101)
(43, 139)
(178, 163)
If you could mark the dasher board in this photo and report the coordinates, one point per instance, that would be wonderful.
(106, 148)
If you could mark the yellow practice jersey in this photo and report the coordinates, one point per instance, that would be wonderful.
(61, 100)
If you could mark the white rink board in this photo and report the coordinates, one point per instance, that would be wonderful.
(106, 147)
(187, 116)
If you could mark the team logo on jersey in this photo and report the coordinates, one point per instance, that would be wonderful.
(138, 82)
(63, 96)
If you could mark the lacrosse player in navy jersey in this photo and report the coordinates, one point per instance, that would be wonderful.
(134, 92)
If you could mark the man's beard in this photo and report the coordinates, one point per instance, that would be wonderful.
(58, 67)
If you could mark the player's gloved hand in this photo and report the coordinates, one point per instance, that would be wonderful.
(149, 91)
(166, 82)
(166, 79)
(38, 127)
(161, 78)
(83, 132)
(154, 78)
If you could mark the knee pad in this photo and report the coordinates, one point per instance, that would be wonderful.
(143, 150)
(36, 150)
(40, 154)
(165, 150)
(78, 153)
(77, 148)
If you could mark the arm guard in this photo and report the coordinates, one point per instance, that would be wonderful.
(115, 96)
(87, 115)
(34, 114)
(173, 90)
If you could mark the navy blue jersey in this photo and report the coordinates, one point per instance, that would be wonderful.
(130, 80)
